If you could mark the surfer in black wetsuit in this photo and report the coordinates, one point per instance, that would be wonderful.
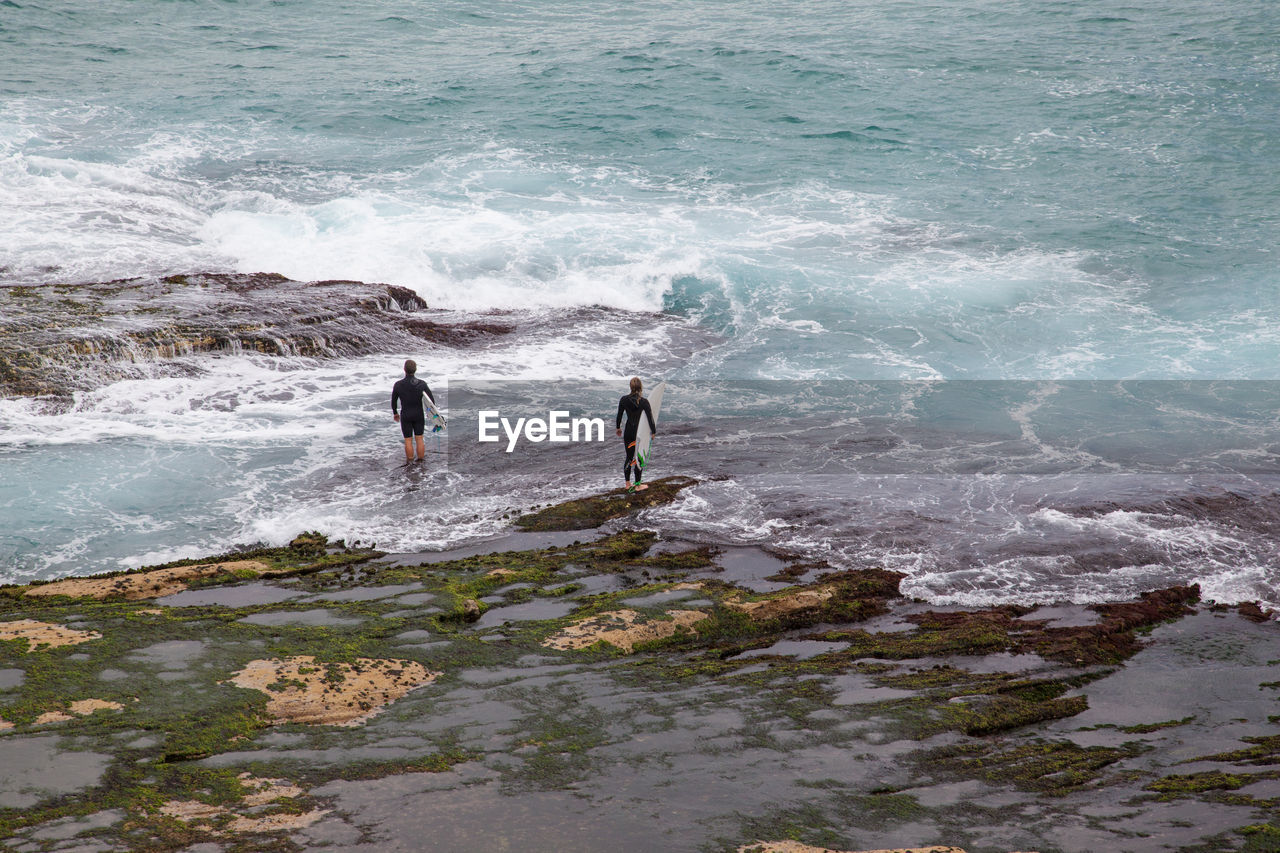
(633, 404)
(412, 416)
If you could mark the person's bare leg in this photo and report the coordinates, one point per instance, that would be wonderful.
(422, 448)
(408, 450)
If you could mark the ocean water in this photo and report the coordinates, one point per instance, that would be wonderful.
(791, 193)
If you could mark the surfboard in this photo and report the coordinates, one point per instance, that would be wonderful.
(434, 418)
(643, 436)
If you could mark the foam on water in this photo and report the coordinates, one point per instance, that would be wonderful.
(469, 258)
(801, 196)
(256, 449)
(811, 280)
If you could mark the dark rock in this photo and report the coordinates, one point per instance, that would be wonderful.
(595, 510)
(470, 610)
(1254, 613)
(56, 338)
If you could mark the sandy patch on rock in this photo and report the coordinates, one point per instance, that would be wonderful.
(5, 725)
(784, 605)
(275, 822)
(500, 573)
(260, 793)
(39, 634)
(797, 847)
(622, 628)
(263, 791)
(85, 707)
(152, 584)
(53, 717)
(191, 811)
(334, 694)
(81, 707)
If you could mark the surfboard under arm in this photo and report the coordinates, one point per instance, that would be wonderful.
(644, 437)
(437, 420)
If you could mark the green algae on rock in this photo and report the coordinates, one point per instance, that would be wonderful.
(306, 554)
(187, 759)
(1049, 767)
(593, 511)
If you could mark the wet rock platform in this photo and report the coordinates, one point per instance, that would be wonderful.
(617, 690)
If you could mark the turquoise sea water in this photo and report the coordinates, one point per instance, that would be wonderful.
(902, 190)
(889, 189)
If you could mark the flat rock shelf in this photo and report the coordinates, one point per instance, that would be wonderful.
(635, 697)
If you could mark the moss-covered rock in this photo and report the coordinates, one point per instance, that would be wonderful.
(593, 511)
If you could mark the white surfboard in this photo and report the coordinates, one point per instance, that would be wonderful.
(643, 436)
(434, 419)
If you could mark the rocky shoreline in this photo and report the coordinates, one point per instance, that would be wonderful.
(613, 687)
(55, 339)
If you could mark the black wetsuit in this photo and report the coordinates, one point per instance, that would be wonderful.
(408, 393)
(632, 408)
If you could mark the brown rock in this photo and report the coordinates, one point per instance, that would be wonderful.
(152, 584)
(84, 707)
(52, 717)
(39, 634)
(784, 605)
(336, 694)
(622, 628)
(1254, 613)
(797, 847)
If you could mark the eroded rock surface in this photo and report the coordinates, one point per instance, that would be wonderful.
(797, 847)
(335, 694)
(624, 629)
(245, 816)
(595, 510)
(139, 585)
(73, 334)
(44, 634)
(774, 608)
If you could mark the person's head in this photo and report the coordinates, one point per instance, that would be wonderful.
(636, 386)
(410, 367)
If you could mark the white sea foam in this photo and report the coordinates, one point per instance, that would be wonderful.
(63, 219)
(469, 258)
(724, 511)
(1229, 567)
(250, 448)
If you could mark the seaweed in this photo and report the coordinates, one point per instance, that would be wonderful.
(595, 510)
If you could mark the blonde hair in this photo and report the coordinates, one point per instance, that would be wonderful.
(636, 386)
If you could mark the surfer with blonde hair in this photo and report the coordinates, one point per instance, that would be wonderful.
(632, 405)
